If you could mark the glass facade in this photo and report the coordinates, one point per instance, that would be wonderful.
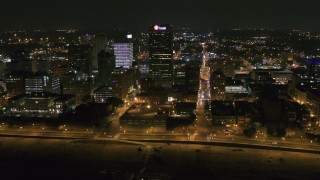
(160, 53)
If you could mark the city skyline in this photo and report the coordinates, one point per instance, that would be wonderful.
(218, 89)
(136, 16)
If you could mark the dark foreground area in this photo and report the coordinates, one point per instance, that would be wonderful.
(31, 158)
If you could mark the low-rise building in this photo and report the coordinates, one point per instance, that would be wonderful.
(143, 117)
(184, 109)
(101, 94)
(40, 105)
(223, 113)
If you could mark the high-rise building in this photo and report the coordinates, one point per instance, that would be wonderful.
(100, 44)
(160, 54)
(106, 64)
(124, 54)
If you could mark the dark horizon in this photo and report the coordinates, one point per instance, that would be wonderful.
(137, 16)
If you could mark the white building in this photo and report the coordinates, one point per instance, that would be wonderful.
(124, 54)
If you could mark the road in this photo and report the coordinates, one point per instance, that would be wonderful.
(193, 134)
(166, 137)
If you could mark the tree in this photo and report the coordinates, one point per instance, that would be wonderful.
(250, 132)
(276, 131)
(270, 131)
(281, 131)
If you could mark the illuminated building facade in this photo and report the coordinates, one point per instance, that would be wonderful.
(42, 83)
(40, 105)
(124, 54)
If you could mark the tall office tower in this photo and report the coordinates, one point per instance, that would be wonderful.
(106, 65)
(100, 43)
(124, 54)
(160, 54)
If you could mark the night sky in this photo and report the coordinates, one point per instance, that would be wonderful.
(138, 14)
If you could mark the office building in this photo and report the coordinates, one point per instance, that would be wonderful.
(193, 75)
(42, 83)
(160, 54)
(102, 94)
(100, 43)
(179, 69)
(124, 54)
(106, 64)
(15, 83)
(40, 104)
(218, 85)
(81, 88)
(122, 82)
(314, 70)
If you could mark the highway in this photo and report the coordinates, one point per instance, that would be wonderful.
(167, 137)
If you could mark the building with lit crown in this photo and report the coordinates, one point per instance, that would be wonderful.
(160, 54)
